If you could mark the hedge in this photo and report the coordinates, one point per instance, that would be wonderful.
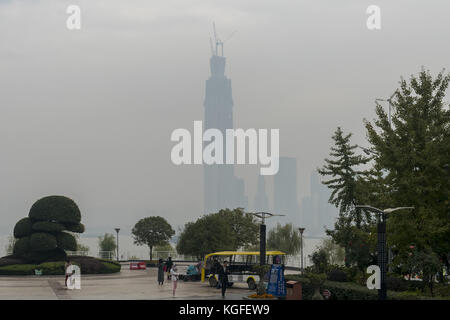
(350, 291)
(23, 228)
(88, 265)
(66, 241)
(47, 226)
(55, 208)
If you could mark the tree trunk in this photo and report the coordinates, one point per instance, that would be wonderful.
(151, 253)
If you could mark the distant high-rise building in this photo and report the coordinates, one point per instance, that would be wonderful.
(285, 192)
(222, 188)
(317, 213)
(261, 202)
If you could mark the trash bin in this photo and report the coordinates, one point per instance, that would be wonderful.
(293, 290)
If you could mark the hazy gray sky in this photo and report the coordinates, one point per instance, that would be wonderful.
(89, 113)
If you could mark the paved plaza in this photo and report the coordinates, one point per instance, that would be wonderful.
(126, 285)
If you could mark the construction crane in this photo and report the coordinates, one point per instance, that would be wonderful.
(218, 42)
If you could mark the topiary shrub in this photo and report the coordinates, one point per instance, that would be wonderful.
(66, 241)
(47, 226)
(41, 237)
(23, 228)
(55, 208)
(42, 242)
(78, 228)
(21, 246)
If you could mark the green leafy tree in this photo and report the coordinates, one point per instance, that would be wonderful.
(414, 156)
(107, 243)
(152, 231)
(225, 230)
(284, 238)
(347, 180)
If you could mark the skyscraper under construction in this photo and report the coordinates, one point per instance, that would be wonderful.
(222, 188)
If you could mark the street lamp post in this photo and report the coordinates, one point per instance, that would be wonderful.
(381, 244)
(117, 231)
(301, 248)
(262, 234)
(389, 100)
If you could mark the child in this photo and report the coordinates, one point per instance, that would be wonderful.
(174, 276)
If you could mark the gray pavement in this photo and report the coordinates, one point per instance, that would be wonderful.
(126, 285)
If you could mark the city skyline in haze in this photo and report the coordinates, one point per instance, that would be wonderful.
(88, 113)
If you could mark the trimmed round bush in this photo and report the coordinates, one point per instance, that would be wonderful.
(42, 242)
(23, 228)
(66, 241)
(78, 228)
(21, 246)
(47, 226)
(57, 209)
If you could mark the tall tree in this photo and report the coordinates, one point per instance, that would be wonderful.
(414, 154)
(346, 178)
(284, 238)
(152, 231)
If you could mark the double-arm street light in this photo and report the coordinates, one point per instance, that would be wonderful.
(381, 245)
(262, 234)
(389, 100)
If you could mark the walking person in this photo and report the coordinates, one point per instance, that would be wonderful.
(223, 277)
(169, 264)
(174, 276)
(160, 272)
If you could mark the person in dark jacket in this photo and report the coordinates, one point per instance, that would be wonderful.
(169, 264)
(160, 272)
(223, 277)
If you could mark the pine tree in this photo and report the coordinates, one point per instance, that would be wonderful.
(345, 176)
(352, 227)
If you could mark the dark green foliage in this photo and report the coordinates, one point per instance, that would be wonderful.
(66, 241)
(41, 256)
(55, 208)
(23, 228)
(414, 155)
(40, 236)
(42, 242)
(348, 291)
(22, 246)
(47, 226)
(337, 275)
(348, 184)
(78, 228)
(319, 260)
(225, 230)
